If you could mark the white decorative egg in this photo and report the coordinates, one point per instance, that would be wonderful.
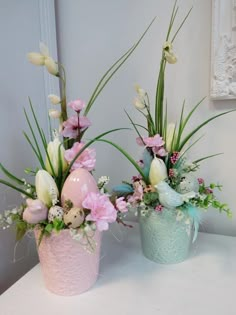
(74, 217)
(188, 183)
(55, 212)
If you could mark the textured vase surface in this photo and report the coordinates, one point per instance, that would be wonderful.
(68, 269)
(164, 239)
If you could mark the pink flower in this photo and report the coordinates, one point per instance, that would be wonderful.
(200, 181)
(102, 210)
(87, 159)
(77, 105)
(159, 208)
(138, 193)
(71, 125)
(156, 143)
(35, 211)
(208, 191)
(174, 158)
(121, 204)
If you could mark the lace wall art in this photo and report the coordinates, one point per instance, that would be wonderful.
(223, 67)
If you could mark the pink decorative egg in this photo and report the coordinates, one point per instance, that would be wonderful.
(76, 187)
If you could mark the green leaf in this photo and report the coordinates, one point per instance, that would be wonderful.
(21, 229)
(206, 157)
(11, 176)
(112, 70)
(150, 198)
(135, 164)
(16, 188)
(181, 25)
(136, 129)
(48, 228)
(36, 150)
(200, 126)
(42, 136)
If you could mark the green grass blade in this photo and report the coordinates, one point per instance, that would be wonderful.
(185, 121)
(138, 125)
(42, 136)
(200, 126)
(135, 164)
(11, 176)
(102, 79)
(34, 150)
(33, 135)
(16, 188)
(181, 25)
(136, 129)
(172, 19)
(207, 157)
(117, 66)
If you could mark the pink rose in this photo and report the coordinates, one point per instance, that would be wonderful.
(35, 211)
(102, 210)
(77, 105)
(86, 160)
(121, 205)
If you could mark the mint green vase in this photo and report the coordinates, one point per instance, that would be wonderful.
(165, 236)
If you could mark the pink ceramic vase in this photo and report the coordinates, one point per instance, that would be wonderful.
(68, 269)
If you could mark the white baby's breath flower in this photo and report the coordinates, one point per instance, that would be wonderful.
(54, 99)
(54, 113)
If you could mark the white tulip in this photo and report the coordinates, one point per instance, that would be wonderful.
(158, 171)
(51, 66)
(169, 136)
(54, 99)
(139, 104)
(46, 188)
(53, 152)
(54, 113)
(36, 58)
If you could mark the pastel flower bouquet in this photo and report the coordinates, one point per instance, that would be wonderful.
(64, 206)
(167, 193)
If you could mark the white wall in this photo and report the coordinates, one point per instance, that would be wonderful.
(20, 32)
(93, 34)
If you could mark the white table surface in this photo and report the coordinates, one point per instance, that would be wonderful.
(128, 284)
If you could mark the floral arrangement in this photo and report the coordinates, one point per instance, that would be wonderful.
(46, 205)
(166, 179)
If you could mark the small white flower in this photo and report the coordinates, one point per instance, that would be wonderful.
(51, 66)
(139, 104)
(36, 58)
(169, 53)
(141, 92)
(54, 99)
(54, 113)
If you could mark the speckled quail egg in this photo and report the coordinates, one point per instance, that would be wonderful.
(188, 183)
(74, 217)
(55, 212)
